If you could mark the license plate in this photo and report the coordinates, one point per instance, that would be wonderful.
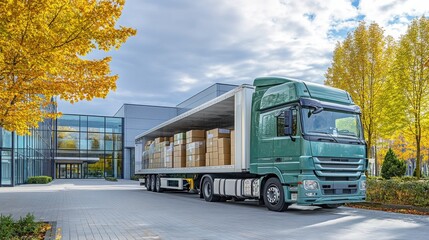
(294, 196)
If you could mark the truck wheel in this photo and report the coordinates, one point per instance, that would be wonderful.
(147, 183)
(274, 196)
(152, 183)
(208, 191)
(331, 206)
(158, 184)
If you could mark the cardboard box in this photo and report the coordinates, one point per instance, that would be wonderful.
(196, 148)
(160, 139)
(196, 160)
(224, 145)
(179, 156)
(224, 159)
(232, 147)
(195, 134)
(218, 133)
(179, 138)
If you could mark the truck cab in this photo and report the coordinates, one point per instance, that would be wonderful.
(306, 139)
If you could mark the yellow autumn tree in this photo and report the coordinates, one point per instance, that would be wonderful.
(42, 55)
(412, 79)
(361, 65)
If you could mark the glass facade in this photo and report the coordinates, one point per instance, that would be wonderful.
(25, 156)
(89, 147)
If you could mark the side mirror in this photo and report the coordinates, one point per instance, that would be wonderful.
(288, 122)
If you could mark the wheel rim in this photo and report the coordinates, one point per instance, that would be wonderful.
(273, 195)
(207, 189)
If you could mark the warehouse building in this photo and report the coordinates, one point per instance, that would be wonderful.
(86, 146)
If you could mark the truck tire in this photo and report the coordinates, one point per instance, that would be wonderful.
(207, 190)
(158, 184)
(274, 197)
(152, 183)
(331, 206)
(147, 183)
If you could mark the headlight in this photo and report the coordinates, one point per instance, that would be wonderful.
(310, 185)
(363, 185)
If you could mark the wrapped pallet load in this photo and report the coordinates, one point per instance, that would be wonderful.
(195, 148)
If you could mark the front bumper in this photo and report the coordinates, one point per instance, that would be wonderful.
(329, 192)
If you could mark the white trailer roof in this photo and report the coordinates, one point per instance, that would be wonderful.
(216, 113)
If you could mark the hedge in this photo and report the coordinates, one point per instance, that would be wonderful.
(39, 180)
(399, 191)
(112, 179)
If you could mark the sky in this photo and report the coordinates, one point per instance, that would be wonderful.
(185, 46)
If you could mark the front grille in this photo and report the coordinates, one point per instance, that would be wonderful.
(339, 167)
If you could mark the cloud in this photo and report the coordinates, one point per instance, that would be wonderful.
(185, 46)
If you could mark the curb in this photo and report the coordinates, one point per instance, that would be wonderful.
(51, 234)
(392, 206)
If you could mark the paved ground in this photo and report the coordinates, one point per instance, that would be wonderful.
(98, 209)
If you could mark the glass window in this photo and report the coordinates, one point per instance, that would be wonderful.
(68, 123)
(96, 141)
(328, 122)
(108, 141)
(6, 167)
(117, 141)
(84, 123)
(6, 139)
(114, 125)
(95, 124)
(68, 140)
(83, 142)
(281, 123)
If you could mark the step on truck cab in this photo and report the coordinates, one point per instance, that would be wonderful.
(295, 142)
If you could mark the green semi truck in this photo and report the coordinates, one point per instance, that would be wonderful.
(295, 142)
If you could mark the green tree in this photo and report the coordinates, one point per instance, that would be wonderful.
(361, 65)
(392, 166)
(412, 79)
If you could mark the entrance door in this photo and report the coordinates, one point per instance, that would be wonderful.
(69, 170)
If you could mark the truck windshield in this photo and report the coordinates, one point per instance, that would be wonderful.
(332, 123)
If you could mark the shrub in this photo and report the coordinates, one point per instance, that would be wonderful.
(112, 179)
(7, 227)
(398, 191)
(392, 166)
(25, 228)
(39, 180)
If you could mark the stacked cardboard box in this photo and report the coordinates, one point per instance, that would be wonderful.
(195, 148)
(179, 138)
(145, 155)
(168, 156)
(159, 152)
(218, 147)
(179, 150)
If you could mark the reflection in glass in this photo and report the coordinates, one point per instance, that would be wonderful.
(68, 123)
(67, 140)
(6, 167)
(95, 124)
(114, 125)
(6, 139)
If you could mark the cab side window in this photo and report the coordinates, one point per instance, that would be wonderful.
(281, 122)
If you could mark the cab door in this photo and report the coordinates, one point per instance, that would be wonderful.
(287, 149)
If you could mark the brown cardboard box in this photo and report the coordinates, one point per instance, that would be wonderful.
(179, 156)
(160, 139)
(224, 145)
(194, 139)
(195, 134)
(208, 159)
(232, 147)
(218, 133)
(195, 148)
(224, 159)
(195, 160)
(179, 138)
